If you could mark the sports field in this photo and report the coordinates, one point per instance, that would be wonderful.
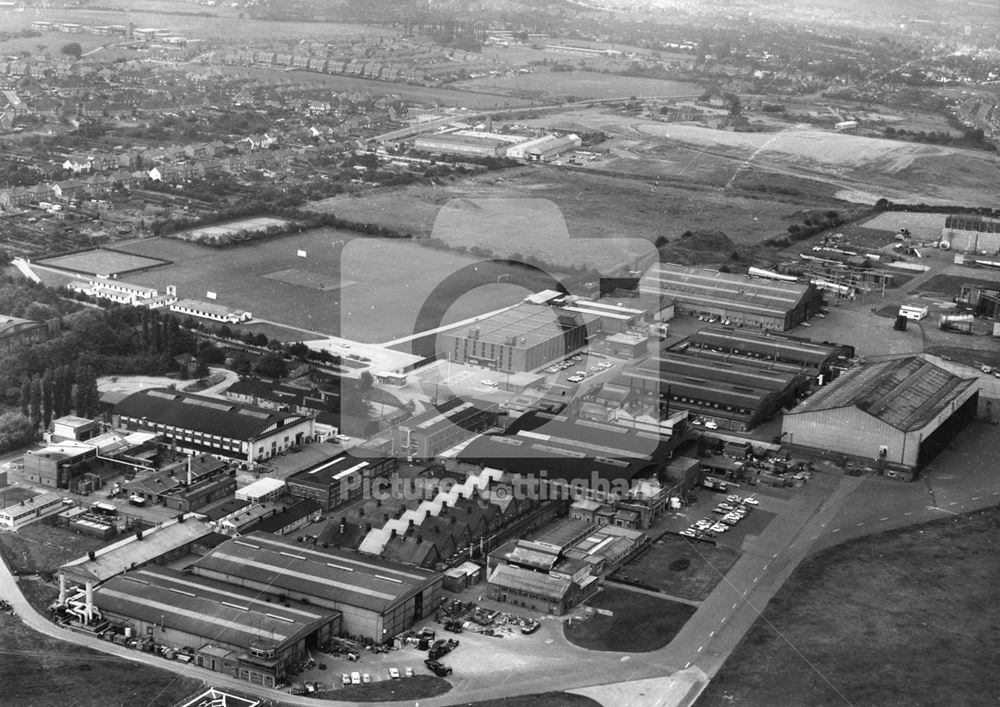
(364, 289)
(102, 262)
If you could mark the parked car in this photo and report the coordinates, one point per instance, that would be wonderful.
(489, 383)
(355, 678)
(751, 501)
(394, 673)
(366, 678)
(711, 424)
(408, 671)
(530, 626)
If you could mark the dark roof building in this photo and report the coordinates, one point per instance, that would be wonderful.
(343, 478)
(736, 395)
(246, 633)
(442, 427)
(898, 412)
(202, 424)
(765, 304)
(767, 346)
(377, 598)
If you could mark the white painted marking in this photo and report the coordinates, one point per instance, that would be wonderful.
(835, 531)
(883, 519)
(756, 578)
(860, 524)
(734, 605)
(701, 648)
(765, 566)
(687, 665)
(975, 498)
(908, 514)
(953, 503)
(711, 634)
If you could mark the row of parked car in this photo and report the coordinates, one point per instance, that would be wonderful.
(732, 511)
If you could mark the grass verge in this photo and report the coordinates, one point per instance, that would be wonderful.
(636, 623)
(413, 688)
(905, 617)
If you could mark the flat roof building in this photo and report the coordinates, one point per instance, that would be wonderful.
(378, 599)
(898, 412)
(736, 299)
(442, 426)
(333, 482)
(522, 338)
(198, 423)
(460, 145)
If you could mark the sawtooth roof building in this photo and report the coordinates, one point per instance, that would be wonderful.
(898, 412)
(377, 598)
(732, 298)
(198, 423)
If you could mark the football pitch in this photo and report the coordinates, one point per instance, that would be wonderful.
(335, 282)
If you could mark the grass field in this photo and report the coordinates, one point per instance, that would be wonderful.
(418, 687)
(363, 289)
(708, 564)
(907, 617)
(594, 206)
(542, 699)
(101, 262)
(845, 163)
(37, 671)
(638, 622)
(922, 226)
(42, 547)
(581, 85)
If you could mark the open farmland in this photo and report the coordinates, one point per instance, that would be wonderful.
(897, 170)
(833, 634)
(594, 206)
(365, 289)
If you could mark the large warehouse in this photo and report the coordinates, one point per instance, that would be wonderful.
(901, 412)
(734, 299)
(522, 338)
(738, 395)
(248, 634)
(742, 344)
(377, 598)
(197, 423)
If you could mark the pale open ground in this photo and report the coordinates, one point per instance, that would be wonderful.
(922, 226)
(222, 229)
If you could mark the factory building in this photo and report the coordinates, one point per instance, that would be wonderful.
(196, 423)
(441, 427)
(460, 145)
(901, 412)
(544, 147)
(376, 598)
(970, 232)
(732, 299)
(248, 634)
(736, 396)
(523, 338)
(743, 344)
(334, 482)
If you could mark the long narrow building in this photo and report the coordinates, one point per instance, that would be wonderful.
(731, 298)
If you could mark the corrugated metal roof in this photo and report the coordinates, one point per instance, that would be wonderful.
(203, 414)
(905, 393)
(203, 607)
(340, 576)
(536, 583)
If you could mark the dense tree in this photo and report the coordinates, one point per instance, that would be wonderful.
(72, 49)
(35, 402)
(25, 396)
(16, 431)
(271, 365)
(86, 394)
(47, 398)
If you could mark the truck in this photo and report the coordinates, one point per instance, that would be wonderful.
(714, 484)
